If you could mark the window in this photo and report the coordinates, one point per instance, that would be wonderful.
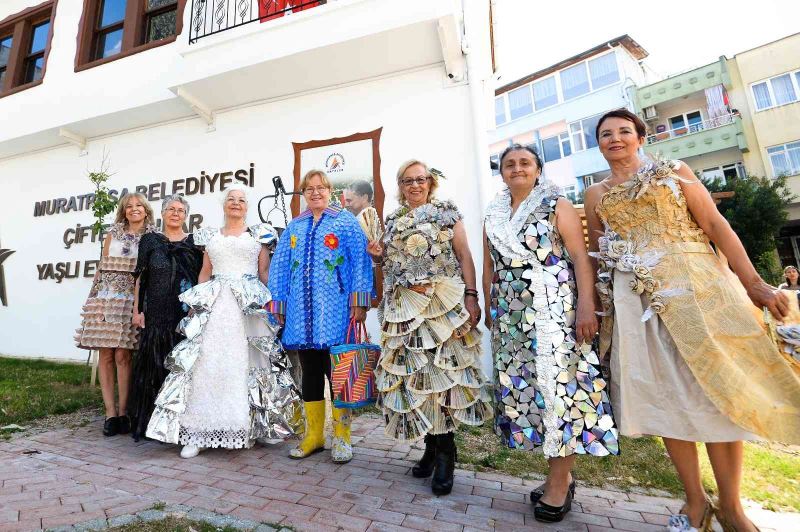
(519, 102)
(499, 110)
(111, 29)
(682, 124)
(785, 159)
(779, 90)
(582, 133)
(603, 70)
(724, 173)
(24, 46)
(570, 192)
(544, 93)
(574, 81)
(556, 147)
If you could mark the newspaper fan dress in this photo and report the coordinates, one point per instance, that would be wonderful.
(229, 381)
(429, 378)
(550, 391)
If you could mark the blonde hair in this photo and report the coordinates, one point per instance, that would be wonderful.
(149, 219)
(434, 182)
(326, 182)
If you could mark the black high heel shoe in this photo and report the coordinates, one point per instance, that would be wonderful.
(424, 467)
(111, 426)
(537, 493)
(545, 513)
(444, 464)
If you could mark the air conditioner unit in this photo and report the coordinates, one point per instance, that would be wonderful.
(650, 113)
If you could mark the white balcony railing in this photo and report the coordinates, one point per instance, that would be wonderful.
(711, 123)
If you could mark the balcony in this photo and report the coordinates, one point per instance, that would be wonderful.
(210, 17)
(699, 138)
(684, 84)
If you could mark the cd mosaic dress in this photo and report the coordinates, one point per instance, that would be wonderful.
(689, 357)
(549, 391)
(429, 375)
(108, 311)
(229, 381)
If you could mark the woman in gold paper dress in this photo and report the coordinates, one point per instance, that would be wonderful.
(429, 375)
(690, 361)
(108, 311)
(550, 391)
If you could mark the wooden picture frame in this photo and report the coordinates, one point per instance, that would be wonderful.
(374, 136)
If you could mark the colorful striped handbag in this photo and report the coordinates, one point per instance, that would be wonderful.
(353, 369)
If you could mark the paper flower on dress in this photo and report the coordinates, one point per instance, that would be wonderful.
(293, 241)
(331, 241)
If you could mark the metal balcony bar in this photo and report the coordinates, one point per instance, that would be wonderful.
(210, 17)
(711, 123)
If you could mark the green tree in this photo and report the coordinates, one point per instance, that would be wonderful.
(103, 203)
(756, 212)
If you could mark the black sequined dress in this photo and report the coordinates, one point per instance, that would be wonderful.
(165, 269)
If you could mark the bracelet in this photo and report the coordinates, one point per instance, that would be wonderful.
(471, 292)
(471, 295)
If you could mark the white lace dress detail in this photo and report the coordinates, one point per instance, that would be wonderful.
(218, 409)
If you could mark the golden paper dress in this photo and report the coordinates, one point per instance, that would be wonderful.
(689, 358)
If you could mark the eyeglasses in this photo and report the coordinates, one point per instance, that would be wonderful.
(235, 200)
(173, 210)
(311, 190)
(408, 181)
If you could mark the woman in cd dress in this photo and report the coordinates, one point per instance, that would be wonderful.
(538, 280)
(229, 382)
(168, 264)
(690, 361)
(429, 375)
(108, 311)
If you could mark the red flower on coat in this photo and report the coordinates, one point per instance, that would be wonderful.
(331, 241)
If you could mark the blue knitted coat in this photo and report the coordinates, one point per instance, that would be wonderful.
(318, 272)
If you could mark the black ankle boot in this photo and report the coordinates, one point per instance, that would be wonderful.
(124, 424)
(444, 464)
(424, 467)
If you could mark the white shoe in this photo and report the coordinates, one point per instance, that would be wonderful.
(190, 451)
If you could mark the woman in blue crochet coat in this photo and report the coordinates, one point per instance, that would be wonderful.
(320, 279)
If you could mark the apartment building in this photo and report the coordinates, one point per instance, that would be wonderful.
(556, 109)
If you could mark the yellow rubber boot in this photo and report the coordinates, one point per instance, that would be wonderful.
(314, 438)
(341, 449)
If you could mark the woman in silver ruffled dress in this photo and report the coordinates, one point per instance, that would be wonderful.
(229, 381)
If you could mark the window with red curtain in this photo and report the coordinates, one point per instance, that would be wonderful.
(272, 9)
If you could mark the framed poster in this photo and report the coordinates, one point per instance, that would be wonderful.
(352, 163)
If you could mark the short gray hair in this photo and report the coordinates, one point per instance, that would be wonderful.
(172, 199)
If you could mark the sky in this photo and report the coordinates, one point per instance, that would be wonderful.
(678, 34)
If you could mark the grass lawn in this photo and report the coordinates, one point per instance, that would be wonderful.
(33, 389)
(771, 476)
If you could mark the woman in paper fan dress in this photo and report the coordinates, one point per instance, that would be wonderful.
(429, 375)
(229, 382)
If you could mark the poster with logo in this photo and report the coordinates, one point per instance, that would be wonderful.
(352, 164)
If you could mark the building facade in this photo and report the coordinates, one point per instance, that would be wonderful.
(767, 82)
(556, 109)
(690, 117)
(190, 96)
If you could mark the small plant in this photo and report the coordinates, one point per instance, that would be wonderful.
(158, 506)
(103, 203)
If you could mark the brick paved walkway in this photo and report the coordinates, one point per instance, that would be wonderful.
(66, 477)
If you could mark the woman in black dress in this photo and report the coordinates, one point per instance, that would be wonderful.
(168, 264)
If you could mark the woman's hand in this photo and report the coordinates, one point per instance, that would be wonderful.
(488, 321)
(358, 314)
(474, 311)
(586, 323)
(138, 319)
(375, 249)
(763, 295)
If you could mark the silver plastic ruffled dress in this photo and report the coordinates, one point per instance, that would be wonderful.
(229, 381)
